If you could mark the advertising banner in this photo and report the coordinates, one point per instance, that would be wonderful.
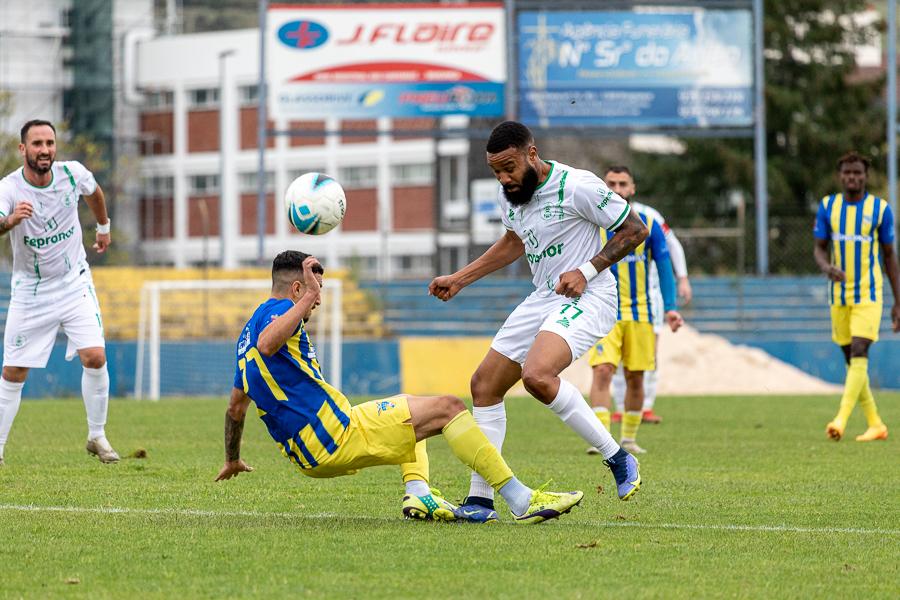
(654, 68)
(390, 60)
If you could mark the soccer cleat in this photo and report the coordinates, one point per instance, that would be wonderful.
(633, 448)
(624, 468)
(591, 450)
(475, 513)
(835, 431)
(548, 505)
(432, 507)
(101, 448)
(871, 434)
(648, 416)
(616, 417)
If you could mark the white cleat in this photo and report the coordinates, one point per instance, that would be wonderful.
(633, 448)
(100, 448)
(591, 450)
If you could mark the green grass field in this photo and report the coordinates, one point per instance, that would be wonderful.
(742, 497)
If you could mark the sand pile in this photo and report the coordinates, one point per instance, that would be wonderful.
(694, 363)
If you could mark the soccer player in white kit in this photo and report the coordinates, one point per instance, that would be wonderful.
(51, 282)
(552, 213)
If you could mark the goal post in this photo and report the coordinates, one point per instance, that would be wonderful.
(187, 331)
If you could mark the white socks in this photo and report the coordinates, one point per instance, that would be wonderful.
(95, 391)
(417, 487)
(569, 405)
(650, 379)
(492, 421)
(517, 496)
(10, 398)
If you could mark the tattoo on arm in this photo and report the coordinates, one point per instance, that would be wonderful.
(4, 225)
(233, 432)
(625, 240)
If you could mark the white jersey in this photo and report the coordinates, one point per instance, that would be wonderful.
(559, 224)
(47, 248)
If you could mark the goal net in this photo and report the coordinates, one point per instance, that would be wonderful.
(188, 330)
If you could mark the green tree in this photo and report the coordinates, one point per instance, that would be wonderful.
(818, 106)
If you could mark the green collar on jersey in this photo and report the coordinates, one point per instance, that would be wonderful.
(549, 175)
(40, 187)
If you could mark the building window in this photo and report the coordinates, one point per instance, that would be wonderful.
(419, 174)
(203, 98)
(158, 186)
(293, 174)
(159, 101)
(358, 177)
(247, 182)
(248, 95)
(203, 185)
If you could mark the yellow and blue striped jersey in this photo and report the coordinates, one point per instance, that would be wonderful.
(632, 273)
(303, 413)
(856, 230)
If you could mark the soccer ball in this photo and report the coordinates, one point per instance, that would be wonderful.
(315, 203)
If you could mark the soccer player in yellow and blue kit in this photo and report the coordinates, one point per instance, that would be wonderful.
(860, 228)
(318, 430)
(632, 342)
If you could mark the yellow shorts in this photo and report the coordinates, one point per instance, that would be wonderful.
(631, 343)
(855, 320)
(380, 433)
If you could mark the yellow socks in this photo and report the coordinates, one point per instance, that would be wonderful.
(419, 469)
(603, 414)
(631, 420)
(857, 380)
(867, 404)
(472, 447)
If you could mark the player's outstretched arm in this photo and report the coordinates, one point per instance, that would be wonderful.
(234, 430)
(97, 204)
(504, 252)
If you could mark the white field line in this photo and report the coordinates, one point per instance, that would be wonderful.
(187, 512)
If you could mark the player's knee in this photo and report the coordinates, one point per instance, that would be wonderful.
(449, 407)
(15, 374)
(480, 385)
(536, 380)
(94, 360)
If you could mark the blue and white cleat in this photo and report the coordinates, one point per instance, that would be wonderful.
(476, 513)
(624, 468)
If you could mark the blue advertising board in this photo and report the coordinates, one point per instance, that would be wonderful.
(657, 68)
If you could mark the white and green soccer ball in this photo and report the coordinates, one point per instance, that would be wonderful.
(315, 203)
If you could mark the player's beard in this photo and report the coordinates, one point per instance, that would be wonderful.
(35, 166)
(526, 189)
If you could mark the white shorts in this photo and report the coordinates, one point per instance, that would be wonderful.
(657, 306)
(32, 324)
(580, 321)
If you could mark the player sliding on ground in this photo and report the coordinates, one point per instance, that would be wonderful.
(318, 430)
(553, 214)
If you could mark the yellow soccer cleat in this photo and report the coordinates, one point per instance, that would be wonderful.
(873, 433)
(548, 505)
(835, 431)
(432, 507)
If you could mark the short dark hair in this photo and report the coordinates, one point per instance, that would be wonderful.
(619, 169)
(292, 260)
(509, 134)
(35, 123)
(852, 157)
